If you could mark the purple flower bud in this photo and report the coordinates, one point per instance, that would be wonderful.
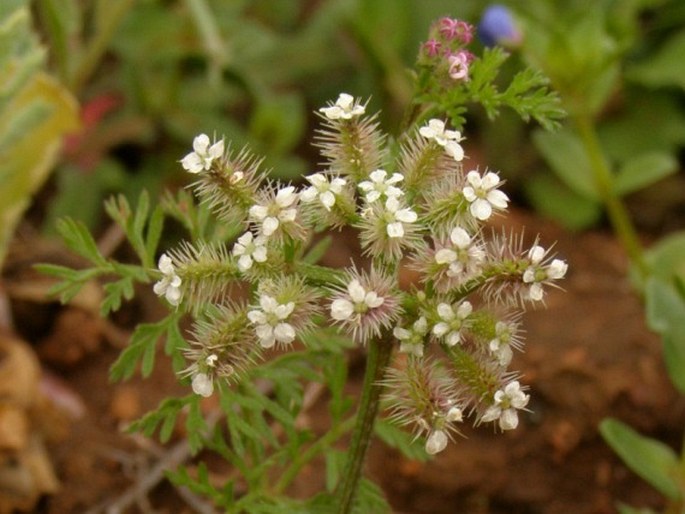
(497, 27)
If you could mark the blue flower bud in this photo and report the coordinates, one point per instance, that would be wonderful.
(497, 27)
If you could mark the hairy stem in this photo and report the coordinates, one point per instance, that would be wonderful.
(616, 210)
(378, 358)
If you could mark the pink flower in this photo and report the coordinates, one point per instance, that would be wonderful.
(432, 48)
(459, 65)
(451, 28)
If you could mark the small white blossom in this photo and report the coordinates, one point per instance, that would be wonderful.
(248, 249)
(270, 321)
(454, 415)
(345, 108)
(538, 273)
(452, 322)
(500, 345)
(436, 442)
(483, 195)
(396, 217)
(463, 257)
(380, 186)
(200, 159)
(169, 285)
(360, 301)
(271, 216)
(203, 385)
(322, 189)
(411, 341)
(506, 402)
(449, 139)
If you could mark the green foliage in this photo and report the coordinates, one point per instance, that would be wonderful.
(652, 460)
(401, 440)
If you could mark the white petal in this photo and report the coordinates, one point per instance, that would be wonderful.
(464, 310)
(394, 179)
(393, 191)
(395, 229)
(270, 225)
(372, 196)
(436, 442)
(287, 215)
(337, 184)
(264, 332)
(454, 338)
(201, 143)
(445, 256)
(309, 194)
(460, 237)
(557, 269)
(473, 178)
(286, 196)
(244, 263)
(536, 292)
(392, 204)
(445, 311)
(165, 264)
(469, 193)
(357, 292)
(173, 295)
(489, 181)
(332, 113)
(454, 415)
(509, 419)
(317, 179)
(246, 238)
(481, 209)
(536, 254)
(454, 150)
(498, 199)
(406, 216)
(257, 317)
(401, 333)
(345, 100)
(491, 414)
(420, 325)
(284, 332)
(341, 309)
(216, 150)
(202, 385)
(372, 300)
(268, 303)
(327, 199)
(192, 163)
(160, 287)
(440, 329)
(378, 176)
(259, 212)
(284, 310)
(260, 254)
(365, 186)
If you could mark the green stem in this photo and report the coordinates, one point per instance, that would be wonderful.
(616, 210)
(301, 459)
(378, 358)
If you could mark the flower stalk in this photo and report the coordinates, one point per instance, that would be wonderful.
(377, 360)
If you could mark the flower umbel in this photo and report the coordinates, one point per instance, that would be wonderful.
(249, 249)
(452, 322)
(202, 156)
(539, 273)
(322, 189)
(277, 211)
(412, 340)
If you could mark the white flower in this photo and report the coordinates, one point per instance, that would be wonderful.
(449, 139)
(345, 108)
(378, 186)
(271, 216)
(203, 385)
(500, 346)
(464, 256)
(483, 195)
(360, 301)
(169, 285)
(322, 189)
(459, 65)
(454, 415)
(506, 402)
(436, 442)
(396, 217)
(452, 322)
(537, 273)
(200, 159)
(248, 249)
(411, 341)
(271, 326)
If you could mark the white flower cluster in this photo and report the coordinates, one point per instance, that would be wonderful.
(270, 321)
(345, 108)
(359, 302)
(539, 273)
(202, 156)
(449, 139)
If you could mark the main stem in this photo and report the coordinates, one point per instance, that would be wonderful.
(616, 210)
(377, 361)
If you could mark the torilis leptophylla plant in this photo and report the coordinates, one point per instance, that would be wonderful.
(454, 333)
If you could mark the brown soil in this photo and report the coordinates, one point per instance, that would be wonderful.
(588, 356)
